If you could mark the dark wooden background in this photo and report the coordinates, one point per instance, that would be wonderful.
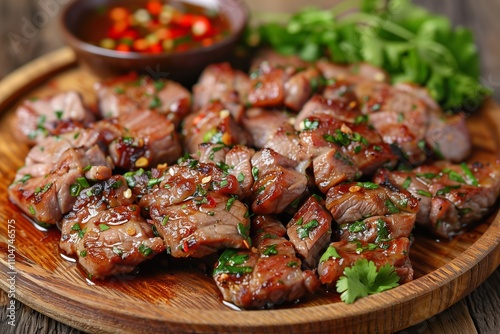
(37, 21)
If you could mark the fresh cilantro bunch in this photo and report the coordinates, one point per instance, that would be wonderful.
(362, 279)
(410, 43)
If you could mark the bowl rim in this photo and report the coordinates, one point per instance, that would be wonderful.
(77, 43)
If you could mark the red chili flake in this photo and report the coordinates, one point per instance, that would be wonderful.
(211, 201)
(185, 247)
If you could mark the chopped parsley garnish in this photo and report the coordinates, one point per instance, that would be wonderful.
(470, 176)
(75, 189)
(454, 176)
(382, 232)
(255, 173)
(103, 227)
(330, 252)
(446, 190)
(164, 221)
(310, 125)
(117, 251)
(270, 250)
(367, 185)
(391, 207)
(145, 250)
(83, 182)
(154, 182)
(427, 175)
(230, 262)
(155, 102)
(244, 231)
(25, 178)
(362, 119)
(358, 226)
(464, 211)
(130, 177)
(339, 138)
(304, 230)
(424, 193)
(240, 177)
(229, 203)
(407, 182)
(342, 158)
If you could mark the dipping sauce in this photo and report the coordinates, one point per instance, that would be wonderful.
(153, 26)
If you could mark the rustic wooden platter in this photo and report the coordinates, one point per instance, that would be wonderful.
(169, 297)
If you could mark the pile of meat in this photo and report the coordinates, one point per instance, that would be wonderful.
(271, 170)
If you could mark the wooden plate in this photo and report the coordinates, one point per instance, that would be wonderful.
(168, 297)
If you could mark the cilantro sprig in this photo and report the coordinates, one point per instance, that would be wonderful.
(410, 43)
(362, 279)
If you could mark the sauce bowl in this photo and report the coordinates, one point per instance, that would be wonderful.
(183, 67)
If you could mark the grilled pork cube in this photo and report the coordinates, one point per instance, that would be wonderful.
(319, 105)
(190, 178)
(201, 225)
(449, 137)
(147, 139)
(400, 117)
(270, 274)
(342, 93)
(267, 86)
(50, 149)
(106, 232)
(116, 241)
(407, 119)
(48, 195)
(212, 124)
(277, 184)
(301, 86)
(310, 231)
(220, 82)
(351, 202)
(451, 196)
(212, 153)
(343, 254)
(272, 129)
(239, 161)
(39, 118)
(282, 81)
(343, 151)
(262, 124)
(131, 93)
(332, 168)
(379, 228)
(235, 161)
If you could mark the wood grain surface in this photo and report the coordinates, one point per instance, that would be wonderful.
(180, 297)
(475, 313)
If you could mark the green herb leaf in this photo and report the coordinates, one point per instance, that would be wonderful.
(329, 253)
(230, 262)
(363, 279)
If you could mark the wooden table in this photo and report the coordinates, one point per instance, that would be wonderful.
(477, 313)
